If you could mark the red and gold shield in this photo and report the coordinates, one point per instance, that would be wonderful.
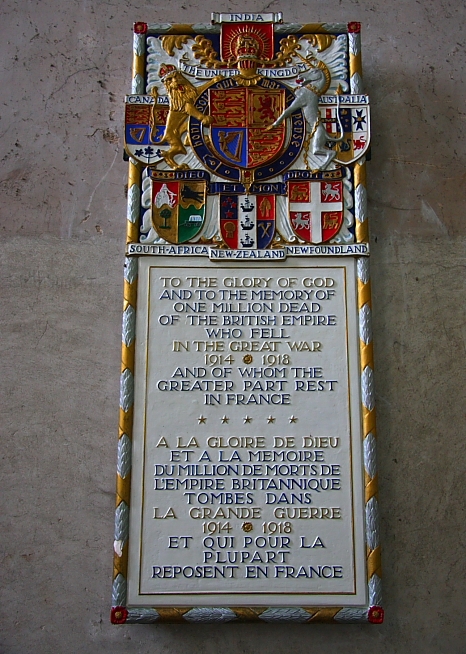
(240, 117)
(316, 209)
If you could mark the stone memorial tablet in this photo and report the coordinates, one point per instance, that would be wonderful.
(246, 486)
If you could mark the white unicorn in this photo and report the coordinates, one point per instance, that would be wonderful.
(312, 84)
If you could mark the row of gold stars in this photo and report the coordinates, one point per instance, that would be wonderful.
(270, 420)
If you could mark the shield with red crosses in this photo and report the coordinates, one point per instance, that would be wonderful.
(316, 209)
(349, 122)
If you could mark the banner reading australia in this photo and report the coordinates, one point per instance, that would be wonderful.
(246, 478)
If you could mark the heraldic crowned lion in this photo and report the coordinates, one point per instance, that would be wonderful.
(182, 95)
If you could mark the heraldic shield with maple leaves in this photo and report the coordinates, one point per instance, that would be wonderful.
(248, 133)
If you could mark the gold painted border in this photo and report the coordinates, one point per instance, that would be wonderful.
(125, 426)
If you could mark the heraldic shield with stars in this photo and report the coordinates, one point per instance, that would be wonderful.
(248, 133)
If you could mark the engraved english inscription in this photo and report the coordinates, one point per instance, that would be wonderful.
(246, 416)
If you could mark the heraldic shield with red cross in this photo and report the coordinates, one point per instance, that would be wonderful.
(354, 121)
(316, 209)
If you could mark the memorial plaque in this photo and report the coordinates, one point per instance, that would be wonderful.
(246, 485)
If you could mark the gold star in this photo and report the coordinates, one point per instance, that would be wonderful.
(225, 419)
(202, 420)
(270, 419)
(247, 419)
(293, 419)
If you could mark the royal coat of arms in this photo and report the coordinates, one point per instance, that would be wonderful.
(259, 127)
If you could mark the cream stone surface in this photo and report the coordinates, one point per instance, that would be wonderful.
(161, 410)
(65, 70)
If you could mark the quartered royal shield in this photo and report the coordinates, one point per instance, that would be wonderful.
(240, 116)
(144, 127)
(238, 142)
(354, 117)
(316, 209)
(247, 221)
(178, 208)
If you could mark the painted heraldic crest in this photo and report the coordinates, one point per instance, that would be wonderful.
(247, 133)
